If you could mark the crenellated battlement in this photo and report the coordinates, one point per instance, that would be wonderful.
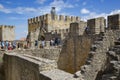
(7, 26)
(57, 18)
(61, 30)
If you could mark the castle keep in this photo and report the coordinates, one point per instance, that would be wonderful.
(7, 32)
(50, 23)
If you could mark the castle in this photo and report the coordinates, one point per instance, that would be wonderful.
(94, 56)
(7, 32)
(91, 56)
(49, 24)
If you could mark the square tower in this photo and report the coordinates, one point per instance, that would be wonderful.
(96, 25)
(114, 22)
(7, 33)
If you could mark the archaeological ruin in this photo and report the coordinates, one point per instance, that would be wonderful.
(90, 50)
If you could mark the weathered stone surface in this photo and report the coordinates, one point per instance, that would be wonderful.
(51, 54)
(74, 51)
(7, 32)
(114, 22)
(18, 67)
(57, 74)
(96, 25)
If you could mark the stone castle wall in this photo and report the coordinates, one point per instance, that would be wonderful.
(60, 22)
(75, 50)
(114, 21)
(45, 24)
(25, 67)
(96, 25)
(52, 54)
(7, 33)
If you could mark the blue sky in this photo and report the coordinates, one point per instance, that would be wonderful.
(17, 12)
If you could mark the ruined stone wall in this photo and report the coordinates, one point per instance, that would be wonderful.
(97, 59)
(17, 68)
(96, 25)
(114, 21)
(74, 51)
(7, 33)
(52, 54)
(25, 67)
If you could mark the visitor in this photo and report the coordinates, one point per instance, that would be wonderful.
(56, 41)
(43, 43)
(2, 44)
(36, 44)
(10, 46)
(51, 42)
(6, 44)
(14, 44)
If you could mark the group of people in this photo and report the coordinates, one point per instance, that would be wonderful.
(55, 42)
(7, 45)
(42, 45)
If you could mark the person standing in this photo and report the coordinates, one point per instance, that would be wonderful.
(43, 43)
(6, 44)
(36, 44)
(2, 44)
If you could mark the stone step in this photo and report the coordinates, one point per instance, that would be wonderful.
(57, 74)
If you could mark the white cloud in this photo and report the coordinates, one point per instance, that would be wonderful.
(60, 4)
(40, 1)
(24, 10)
(95, 15)
(84, 11)
(115, 12)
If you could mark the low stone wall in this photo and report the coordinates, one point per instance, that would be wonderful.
(25, 67)
(51, 54)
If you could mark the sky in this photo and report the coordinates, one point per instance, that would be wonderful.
(17, 12)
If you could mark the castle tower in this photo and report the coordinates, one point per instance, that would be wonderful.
(53, 13)
(114, 22)
(7, 32)
(96, 25)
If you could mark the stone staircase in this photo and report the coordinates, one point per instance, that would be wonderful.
(97, 58)
(113, 72)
